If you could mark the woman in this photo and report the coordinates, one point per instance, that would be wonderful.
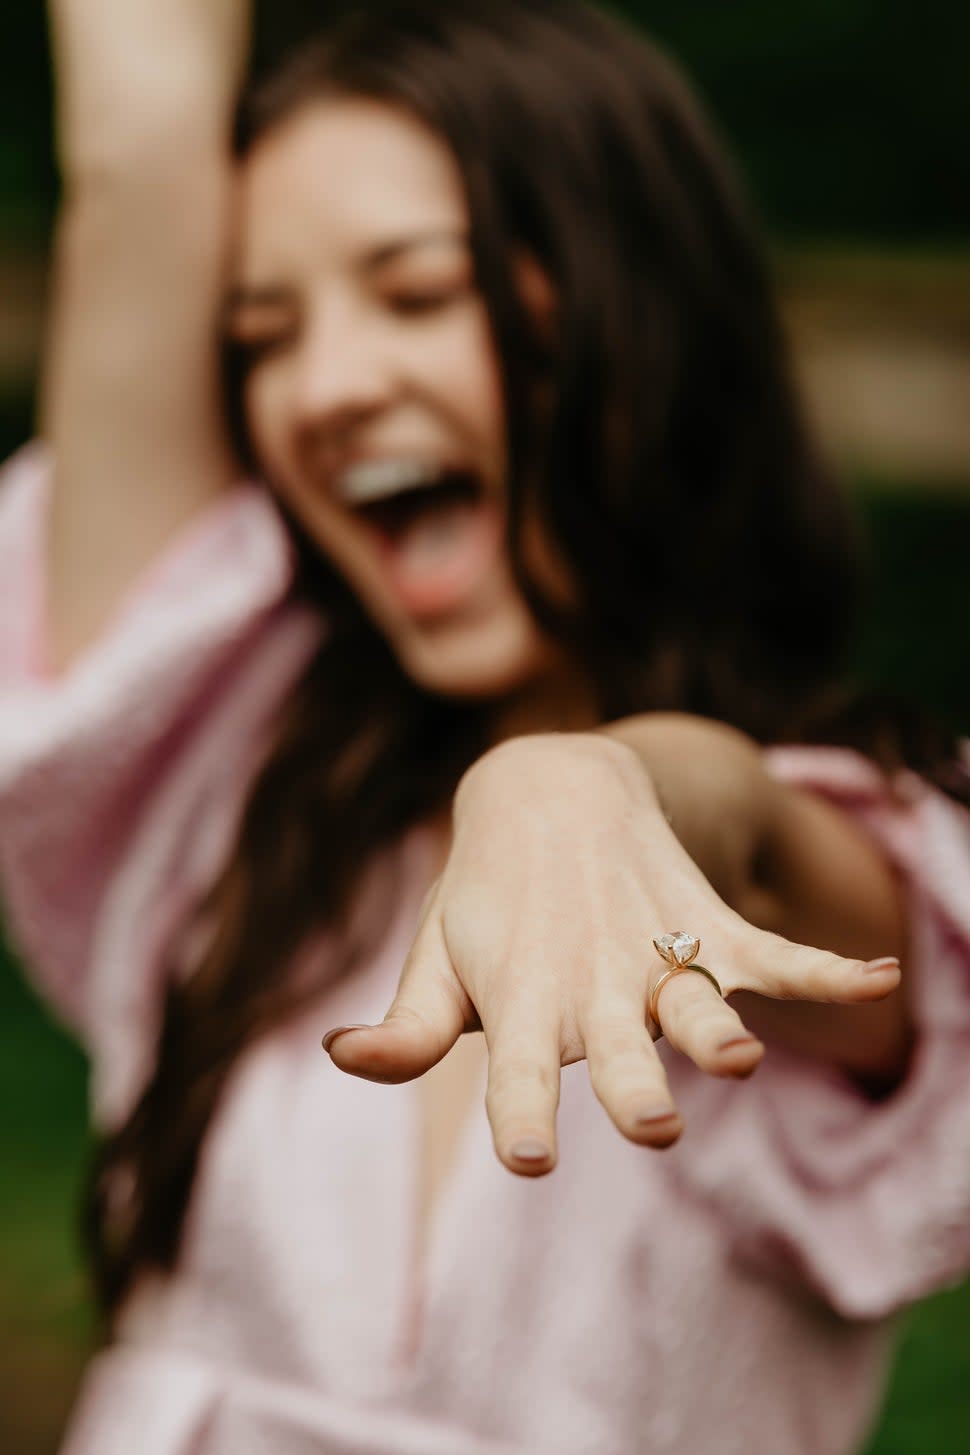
(482, 277)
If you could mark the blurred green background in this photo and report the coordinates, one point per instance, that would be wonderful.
(851, 119)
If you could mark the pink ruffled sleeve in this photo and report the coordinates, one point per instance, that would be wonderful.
(87, 756)
(868, 1202)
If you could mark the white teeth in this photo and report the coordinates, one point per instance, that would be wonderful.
(382, 479)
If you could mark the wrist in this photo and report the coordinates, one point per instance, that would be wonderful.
(543, 761)
(149, 152)
(713, 789)
(142, 82)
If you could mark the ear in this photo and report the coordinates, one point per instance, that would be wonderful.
(537, 293)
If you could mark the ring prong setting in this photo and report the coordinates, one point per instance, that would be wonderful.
(678, 948)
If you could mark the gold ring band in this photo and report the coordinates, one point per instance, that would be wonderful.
(669, 974)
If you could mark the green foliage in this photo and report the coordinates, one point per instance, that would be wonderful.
(850, 116)
(927, 1409)
(43, 1143)
(914, 638)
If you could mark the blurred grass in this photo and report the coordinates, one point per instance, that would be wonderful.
(46, 1328)
(915, 641)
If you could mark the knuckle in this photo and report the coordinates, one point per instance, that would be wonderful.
(649, 1089)
(519, 1074)
(711, 1020)
(408, 1014)
(678, 1004)
(609, 1040)
(696, 1018)
(796, 971)
(612, 1064)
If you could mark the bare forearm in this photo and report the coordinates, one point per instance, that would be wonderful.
(145, 93)
(140, 78)
(131, 382)
(715, 795)
(131, 393)
(832, 886)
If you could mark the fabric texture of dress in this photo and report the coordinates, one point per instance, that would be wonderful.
(734, 1293)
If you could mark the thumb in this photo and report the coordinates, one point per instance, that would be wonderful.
(428, 1014)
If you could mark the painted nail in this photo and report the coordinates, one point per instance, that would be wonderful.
(885, 962)
(530, 1149)
(747, 1040)
(654, 1115)
(331, 1036)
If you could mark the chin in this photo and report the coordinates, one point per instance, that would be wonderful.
(484, 660)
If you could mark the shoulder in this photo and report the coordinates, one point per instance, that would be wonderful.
(133, 738)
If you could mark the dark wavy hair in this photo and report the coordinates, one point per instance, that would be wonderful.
(715, 562)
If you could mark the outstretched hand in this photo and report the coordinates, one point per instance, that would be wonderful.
(562, 870)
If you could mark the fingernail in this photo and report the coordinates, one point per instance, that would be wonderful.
(747, 1040)
(652, 1116)
(886, 962)
(530, 1149)
(331, 1036)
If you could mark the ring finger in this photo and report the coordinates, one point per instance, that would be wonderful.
(699, 1023)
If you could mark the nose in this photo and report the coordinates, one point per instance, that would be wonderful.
(343, 375)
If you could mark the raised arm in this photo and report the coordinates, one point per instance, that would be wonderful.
(131, 398)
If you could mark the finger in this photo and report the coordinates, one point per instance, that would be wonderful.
(700, 1024)
(428, 1014)
(785, 970)
(627, 1075)
(522, 1096)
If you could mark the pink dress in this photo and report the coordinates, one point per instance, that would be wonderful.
(732, 1294)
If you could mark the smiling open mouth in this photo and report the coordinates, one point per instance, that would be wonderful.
(436, 499)
(437, 528)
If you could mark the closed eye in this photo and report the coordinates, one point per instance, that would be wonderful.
(250, 347)
(414, 303)
(257, 321)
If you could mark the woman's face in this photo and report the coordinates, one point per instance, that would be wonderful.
(373, 394)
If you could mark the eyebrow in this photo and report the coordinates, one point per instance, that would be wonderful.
(379, 257)
(389, 251)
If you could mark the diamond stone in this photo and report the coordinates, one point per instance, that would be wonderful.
(679, 947)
